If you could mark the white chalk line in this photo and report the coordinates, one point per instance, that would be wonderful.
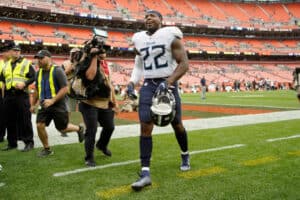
(283, 138)
(76, 171)
(218, 148)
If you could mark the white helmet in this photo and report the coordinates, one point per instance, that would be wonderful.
(163, 107)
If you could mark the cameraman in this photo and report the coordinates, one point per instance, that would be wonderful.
(98, 109)
(69, 67)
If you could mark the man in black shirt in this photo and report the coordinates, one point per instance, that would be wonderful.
(17, 75)
(51, 85)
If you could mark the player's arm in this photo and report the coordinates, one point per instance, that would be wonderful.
(180, 55)
(137, 72)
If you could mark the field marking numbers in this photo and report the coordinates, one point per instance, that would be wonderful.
(282, 138)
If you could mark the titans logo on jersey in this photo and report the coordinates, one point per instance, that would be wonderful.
(155, 51)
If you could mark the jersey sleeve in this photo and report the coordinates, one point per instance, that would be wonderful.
(176, 32)
(134, 39)
(137, 72)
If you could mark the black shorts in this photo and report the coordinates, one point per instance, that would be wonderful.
(61, 119)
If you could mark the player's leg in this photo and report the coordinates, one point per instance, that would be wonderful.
(181, 134)
(145, 102)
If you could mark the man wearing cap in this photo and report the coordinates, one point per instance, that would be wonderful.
(51, 84)
(18, 74)
(162, 60)
(6, 54)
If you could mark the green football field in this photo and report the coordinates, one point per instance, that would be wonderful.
(259, 161)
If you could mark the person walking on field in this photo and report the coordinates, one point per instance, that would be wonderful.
(101, 108)
(203, 87)
(51, 84)
(162, 60)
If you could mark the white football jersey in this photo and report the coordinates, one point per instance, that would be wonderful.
(155, 51)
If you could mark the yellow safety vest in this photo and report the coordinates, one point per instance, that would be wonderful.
(49, 85)
(1, 68)
(18, 75)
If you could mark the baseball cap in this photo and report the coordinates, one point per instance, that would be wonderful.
(42, 54)
(9, 45)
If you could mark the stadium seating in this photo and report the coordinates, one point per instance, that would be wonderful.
(192, 12)
(204, 12)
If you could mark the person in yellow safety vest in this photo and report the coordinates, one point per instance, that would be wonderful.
(17, 74)
(5, 57)
(51, 84)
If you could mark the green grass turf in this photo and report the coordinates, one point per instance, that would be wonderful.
(265, 100)
(28, 177)
(280, 98)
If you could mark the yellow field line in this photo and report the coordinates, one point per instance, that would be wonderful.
(201, 172)
(118, 191)
(294, 153)
(260, 161)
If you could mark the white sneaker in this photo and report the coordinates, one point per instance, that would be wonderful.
(142, 182)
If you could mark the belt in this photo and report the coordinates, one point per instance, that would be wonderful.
(155, 80)
(14, 92)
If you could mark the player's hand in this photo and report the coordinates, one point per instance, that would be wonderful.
(48, 102)
(32, 109)
(20, 86)
(130, 91)
(163, 86)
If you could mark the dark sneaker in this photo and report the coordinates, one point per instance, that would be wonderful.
(45, 152)
(142, 182)
(185, 162)
(90, 163)
(28, 147)
(105, 151)
(64, 135)
(8, 148)
(81, 133)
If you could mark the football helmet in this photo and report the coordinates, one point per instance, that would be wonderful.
(163, 107)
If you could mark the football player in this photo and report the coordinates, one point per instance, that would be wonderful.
(162, 60)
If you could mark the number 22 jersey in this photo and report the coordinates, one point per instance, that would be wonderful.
(155, 51)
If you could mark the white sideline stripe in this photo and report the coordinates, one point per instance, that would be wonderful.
(76, 171)
(283, 138)
(2, 184)
(218, 148)
(239, 105)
